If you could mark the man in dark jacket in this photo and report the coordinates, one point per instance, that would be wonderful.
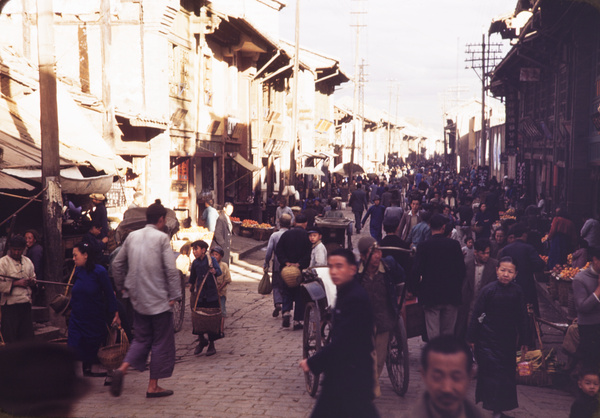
(223, 228)
(346, 361)
(437, 278)
(358, 203)
(481, 270)
(293, 249)
(391, 239)
(528, 261)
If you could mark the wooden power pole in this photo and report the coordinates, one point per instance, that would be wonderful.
(296, 74)
(52, 198)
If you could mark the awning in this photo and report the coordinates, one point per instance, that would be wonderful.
(80, 143)
(245, 163)
(10, 183)
(143, 121)
(71, 180)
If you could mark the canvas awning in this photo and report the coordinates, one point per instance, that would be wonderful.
(10, 183)
(245, 163)
(71, 180)
(80, 143)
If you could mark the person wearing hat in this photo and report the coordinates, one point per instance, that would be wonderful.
(99, 215)
(224, 279)
(318, 255)
(284, 222)
(15, 295)
(379, 277)
(376, 212)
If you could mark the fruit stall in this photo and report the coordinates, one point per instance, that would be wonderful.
(251, 229)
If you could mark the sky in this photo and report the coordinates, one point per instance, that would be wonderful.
(413, 49)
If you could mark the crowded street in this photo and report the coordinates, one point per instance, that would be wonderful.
(286, 208)
(255, 372)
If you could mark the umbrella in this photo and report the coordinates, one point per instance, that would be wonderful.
(344, 169)
(135, 218)
(311, 171)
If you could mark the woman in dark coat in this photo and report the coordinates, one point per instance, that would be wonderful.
(499, 317)
(93, 308)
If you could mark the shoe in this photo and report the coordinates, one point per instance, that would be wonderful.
(276, 310)
(211, 349)
(297, 325)
(159, 394)
(116, 386)
(286, 320)
(108, 381)
(200, 347)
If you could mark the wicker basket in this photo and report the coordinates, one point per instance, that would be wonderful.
(540, 378)
(206, 320)
(291, 275)
(113, 354)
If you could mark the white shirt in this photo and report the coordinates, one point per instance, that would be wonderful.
(9, 294)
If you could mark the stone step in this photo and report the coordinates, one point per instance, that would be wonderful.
(40, 314)
(46, 332)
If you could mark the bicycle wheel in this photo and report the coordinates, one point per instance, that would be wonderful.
(179, 308)
(311, 343)
(397, 359)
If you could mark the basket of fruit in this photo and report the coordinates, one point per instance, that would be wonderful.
(536, 367)
(263, 231)
(247, 228)
(235, 225)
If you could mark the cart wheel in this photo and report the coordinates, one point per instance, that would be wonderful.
(397, 359)
(311, 343)
(179, 308)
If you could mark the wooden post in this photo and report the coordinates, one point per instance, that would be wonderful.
(52, 199)
(294, 136)
(108, 124)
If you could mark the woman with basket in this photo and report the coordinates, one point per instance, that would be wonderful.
(206, 310)
(93, 307)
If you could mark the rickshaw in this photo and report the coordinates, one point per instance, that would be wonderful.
(319, 293)
(337, 232)
(134, 219)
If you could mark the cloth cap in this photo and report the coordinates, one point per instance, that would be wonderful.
(17, 241)
(365, 243)
(315, 229)
(218, 250)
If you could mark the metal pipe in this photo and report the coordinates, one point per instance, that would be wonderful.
(282, 69)
(337, 72)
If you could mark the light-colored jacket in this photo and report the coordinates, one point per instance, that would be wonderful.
(586, 303)
(318, 256)
(273, 241)
(145, 267)
(24, 269)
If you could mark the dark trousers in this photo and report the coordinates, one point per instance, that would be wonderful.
(357, 220)
(589, 345)
(277, 283)
(292, 298)
(343, 407)
(17, 323)
(153, 333)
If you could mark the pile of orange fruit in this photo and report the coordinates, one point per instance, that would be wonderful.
(249, 223)
(545, 258)
(264, 226)
(234, 219)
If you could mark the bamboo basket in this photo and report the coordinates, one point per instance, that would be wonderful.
(113, 354)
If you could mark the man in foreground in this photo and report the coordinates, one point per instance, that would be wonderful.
(346, 361)
(447, 370)
(145, 267)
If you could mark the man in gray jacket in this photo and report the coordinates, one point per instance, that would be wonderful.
(586, 291)
(145, 267)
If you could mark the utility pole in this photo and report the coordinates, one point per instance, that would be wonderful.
(294, 137)
(482, 64)
(389, 147)
(356, 117)
(108, 126)
(52, 198)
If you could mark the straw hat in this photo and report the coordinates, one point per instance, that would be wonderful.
(97, 196)
(291, 275)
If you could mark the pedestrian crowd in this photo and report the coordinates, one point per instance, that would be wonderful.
(466, 248)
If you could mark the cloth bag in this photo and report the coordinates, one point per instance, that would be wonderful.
(264, 286)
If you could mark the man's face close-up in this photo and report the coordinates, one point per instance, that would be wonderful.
(482, 256)
(340, 270)
(447, 381)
